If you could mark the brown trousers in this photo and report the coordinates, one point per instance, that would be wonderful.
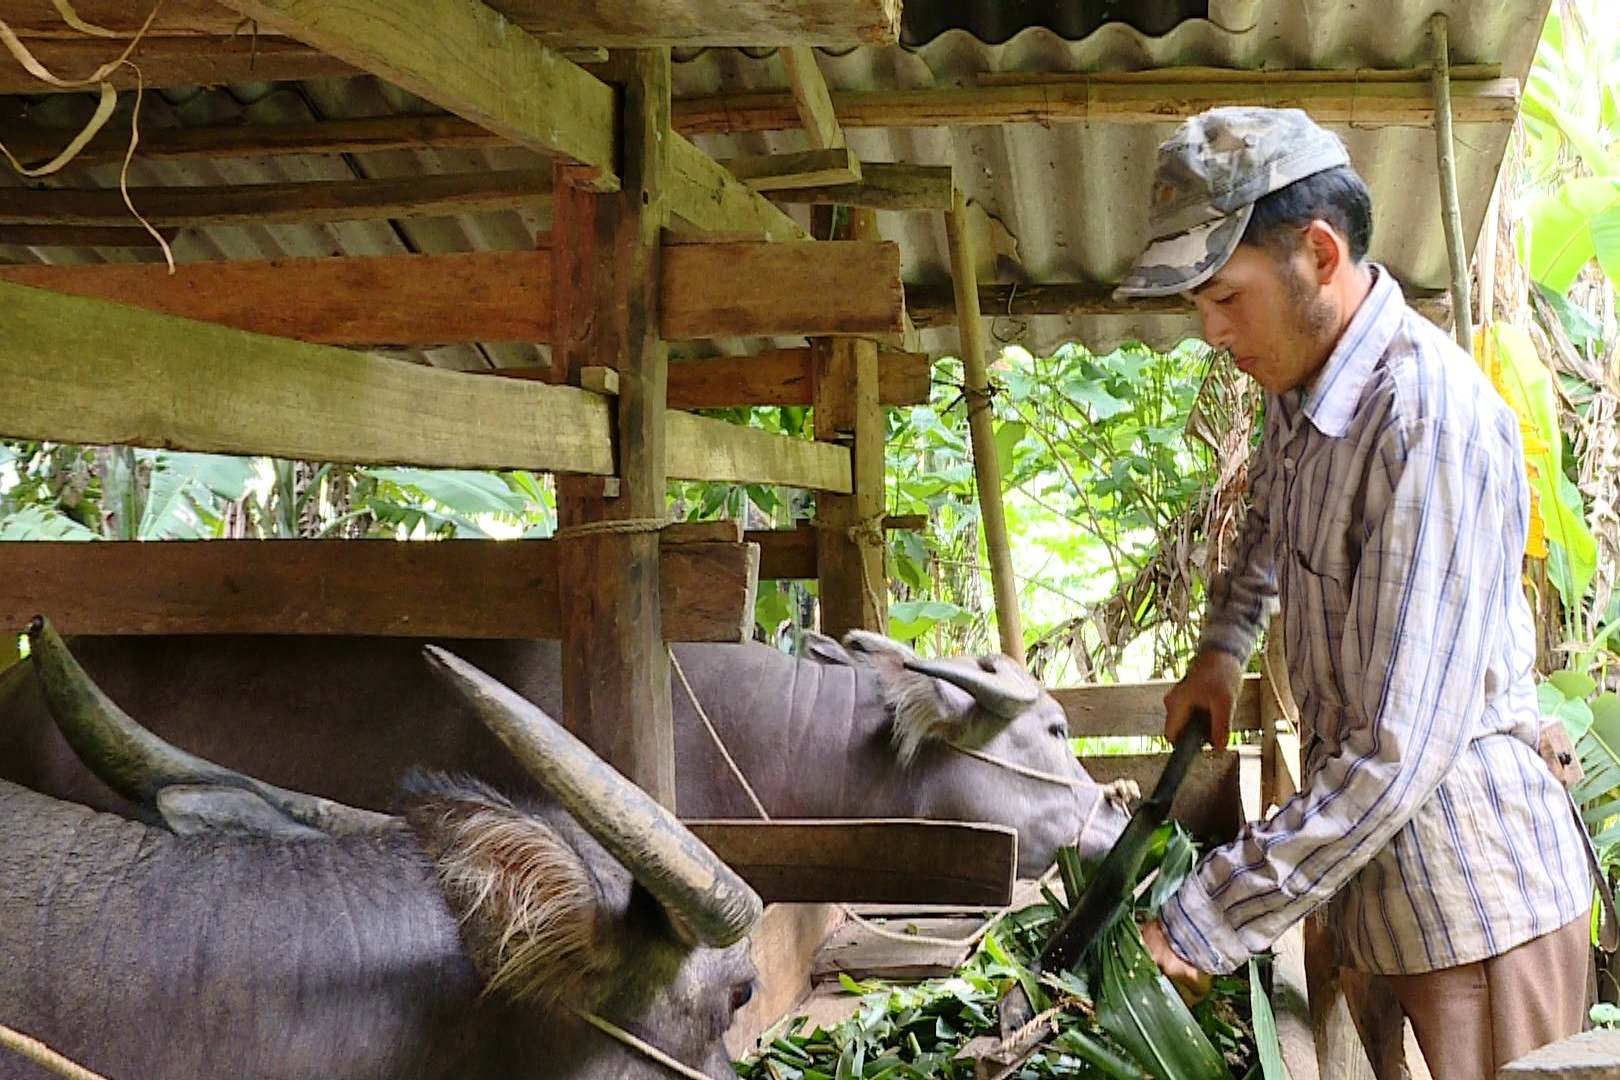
(1472, 1019)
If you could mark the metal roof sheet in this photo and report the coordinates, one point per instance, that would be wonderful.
(1052, 203)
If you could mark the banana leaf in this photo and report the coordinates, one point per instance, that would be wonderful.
(1140, 1010)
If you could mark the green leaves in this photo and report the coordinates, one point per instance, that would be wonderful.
(1139, 1008)
(1573, 225)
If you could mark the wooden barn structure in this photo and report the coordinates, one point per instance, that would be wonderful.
(637, 209)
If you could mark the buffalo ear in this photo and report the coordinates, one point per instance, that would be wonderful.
(532, 915)
(824, 649)
(193, 809)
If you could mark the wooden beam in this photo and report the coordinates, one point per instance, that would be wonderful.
(786, 172)
(932, 303)
(466, 58)
(708, 198)
(783, 377)
(810, 95)
(1118, 99)
(63, 236)
(617, 24)
(1138, 708)
(303, 202)
(851, 551)
(883, 187)
(371, 134)
(707, 290)
(704, 449)
(88, 371)
(458, 588)
(881, 861)
(175, 61)
(615, 669)
(790, 554)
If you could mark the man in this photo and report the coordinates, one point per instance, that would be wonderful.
(1389, 514)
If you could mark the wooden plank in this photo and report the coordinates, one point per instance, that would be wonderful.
(89, 371)
(303, 202)
(932, 303)
(810, 95)
(708, 198)
(626, 24)
(369, 134)
(175, 61)
(619, 24)
(883, 186)
(708, 290)
(782, 377)
(615, 669)
(458, 588)
(806, 169)
(778, 289)
(701, 448)
(61, 236)
(856, 951)
(1113, 100)
(1209, 803)
(878, 861)
(1590, 1055)
(785, 554)
(467, 58)
(1138, 708)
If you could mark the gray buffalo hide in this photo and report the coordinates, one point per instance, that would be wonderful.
(150, 956)
(346, 717)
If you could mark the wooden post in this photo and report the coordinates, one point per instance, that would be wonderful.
(851, 549)
(615, 671)
(1445, 152)
(976, 388)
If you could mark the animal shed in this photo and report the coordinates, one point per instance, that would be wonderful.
(348, 187)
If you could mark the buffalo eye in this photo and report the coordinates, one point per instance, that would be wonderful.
(741, 994)
(1058, 730)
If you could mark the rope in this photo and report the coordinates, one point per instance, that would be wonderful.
(759, 808)
(867, 533)
(642, 1046)
(42, 1055)
(720, 744)
(623, 525)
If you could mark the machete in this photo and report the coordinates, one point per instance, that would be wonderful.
(1109, 888)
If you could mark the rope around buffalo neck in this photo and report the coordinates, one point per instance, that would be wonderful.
(759, 808)
(42, 1055)
(642, 1046)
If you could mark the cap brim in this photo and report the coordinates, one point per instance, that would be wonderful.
(1186, 260)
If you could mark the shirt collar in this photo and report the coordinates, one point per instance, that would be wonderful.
(1331, 401)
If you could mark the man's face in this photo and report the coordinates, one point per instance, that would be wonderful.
(1268, 312)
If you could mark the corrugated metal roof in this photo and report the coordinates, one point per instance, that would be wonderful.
(1058, 203)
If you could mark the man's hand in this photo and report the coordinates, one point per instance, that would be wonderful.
(1193, 985)
(1213, 680)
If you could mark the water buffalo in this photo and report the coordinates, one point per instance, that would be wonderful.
(869, 730)
(263, 933)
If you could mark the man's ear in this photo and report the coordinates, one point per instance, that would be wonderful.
(1324, 250)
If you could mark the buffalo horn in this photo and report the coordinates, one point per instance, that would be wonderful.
(702, 893)
(995, 693)
(137, 764)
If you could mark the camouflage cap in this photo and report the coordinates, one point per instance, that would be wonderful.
(1209, 175)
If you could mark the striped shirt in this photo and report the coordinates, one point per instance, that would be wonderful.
(1389, 509)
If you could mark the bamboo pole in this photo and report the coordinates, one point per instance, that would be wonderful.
(1445, 150)
(976, 389)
